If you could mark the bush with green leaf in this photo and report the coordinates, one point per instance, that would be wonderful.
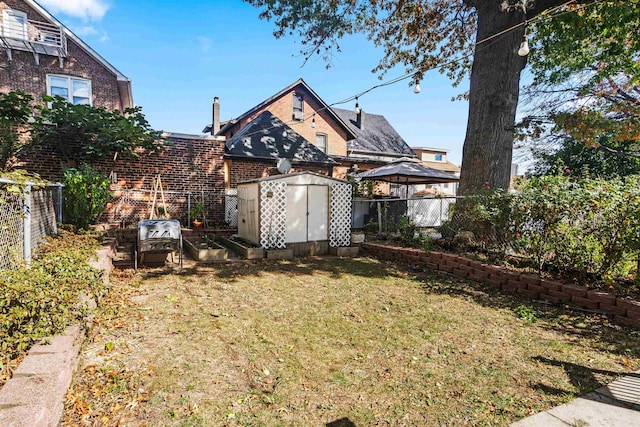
(15, 111)
(588, 228)
(44, 299)
(85, 195)
(407, 229)
(487, 214)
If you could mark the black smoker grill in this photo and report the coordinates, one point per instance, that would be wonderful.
(158, 236)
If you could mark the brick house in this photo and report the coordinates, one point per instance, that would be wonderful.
(40, 56)
(335, 141)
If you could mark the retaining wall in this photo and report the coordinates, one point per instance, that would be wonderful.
(620, 310)
(34, 396)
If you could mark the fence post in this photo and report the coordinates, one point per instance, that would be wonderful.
(188, 209)
(59, 202)
(26, 225)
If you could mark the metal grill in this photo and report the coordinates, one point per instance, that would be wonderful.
(158, 237)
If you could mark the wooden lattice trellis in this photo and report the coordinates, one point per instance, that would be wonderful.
(340, 217)
(273, 212)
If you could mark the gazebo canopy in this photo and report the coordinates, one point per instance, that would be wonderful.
(407, 171)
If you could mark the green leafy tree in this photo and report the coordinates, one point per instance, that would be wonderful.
(85, 133)
(586, 161)
(86, 192)
(444, 34)
(15, 110)
(585, 89)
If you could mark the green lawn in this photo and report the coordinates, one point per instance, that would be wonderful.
(317, 340)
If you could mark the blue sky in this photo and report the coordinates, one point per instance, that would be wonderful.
(180, 55)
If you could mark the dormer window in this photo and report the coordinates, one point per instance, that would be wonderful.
(75, 90)
(298, 107)
(14, 24)
(438, 157)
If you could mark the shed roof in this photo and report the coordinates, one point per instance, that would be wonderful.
(268, 137)
(377, 135)
(294, 175)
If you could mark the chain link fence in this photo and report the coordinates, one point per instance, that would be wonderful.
(27, 214)
(130, 206)
(384, 214)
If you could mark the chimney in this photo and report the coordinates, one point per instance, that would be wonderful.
(360, 119)
(215, 125)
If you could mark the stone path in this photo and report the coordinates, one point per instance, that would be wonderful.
(614, 405)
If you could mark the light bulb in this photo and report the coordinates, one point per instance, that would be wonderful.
(357, 108)
(417, 88)
(313, 122)
(524, 47)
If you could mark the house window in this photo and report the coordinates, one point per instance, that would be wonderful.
(73, 89)
(321, 142)
(14, 24)
(298, 107)
(438, 157)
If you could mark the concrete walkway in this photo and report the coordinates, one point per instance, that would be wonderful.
(614, 405)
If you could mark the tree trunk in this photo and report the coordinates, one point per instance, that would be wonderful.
(493, 99)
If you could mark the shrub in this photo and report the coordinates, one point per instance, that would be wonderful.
(86, 193)
(44, 299)
(407, 229)
(487, 214)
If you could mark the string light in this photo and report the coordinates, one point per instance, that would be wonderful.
(416, 89)
(313, 121)
(524, 46)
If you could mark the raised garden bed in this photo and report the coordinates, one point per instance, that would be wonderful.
(206, 250)
(243, 248)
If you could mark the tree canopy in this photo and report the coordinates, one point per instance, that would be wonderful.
(86, 133)
(15, 110)
(584, 102)
(475, 38)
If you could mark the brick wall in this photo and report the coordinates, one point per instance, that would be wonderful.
(621, 310)
(188, 164)
(22, 73)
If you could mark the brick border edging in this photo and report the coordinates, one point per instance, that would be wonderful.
(620, 310)
(35, 395)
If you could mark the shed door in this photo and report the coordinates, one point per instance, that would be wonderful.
(307, 213)
(318, 208)
(296, 213)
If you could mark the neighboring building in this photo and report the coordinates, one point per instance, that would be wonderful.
(40, 56)
(437, 159)
(298, 125)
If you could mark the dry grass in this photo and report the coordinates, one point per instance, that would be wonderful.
(317, 340)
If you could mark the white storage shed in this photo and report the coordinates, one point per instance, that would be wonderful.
(283, 210)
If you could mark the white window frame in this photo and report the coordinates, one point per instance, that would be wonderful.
(326, 142)
(70, 80)
(15, 32)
